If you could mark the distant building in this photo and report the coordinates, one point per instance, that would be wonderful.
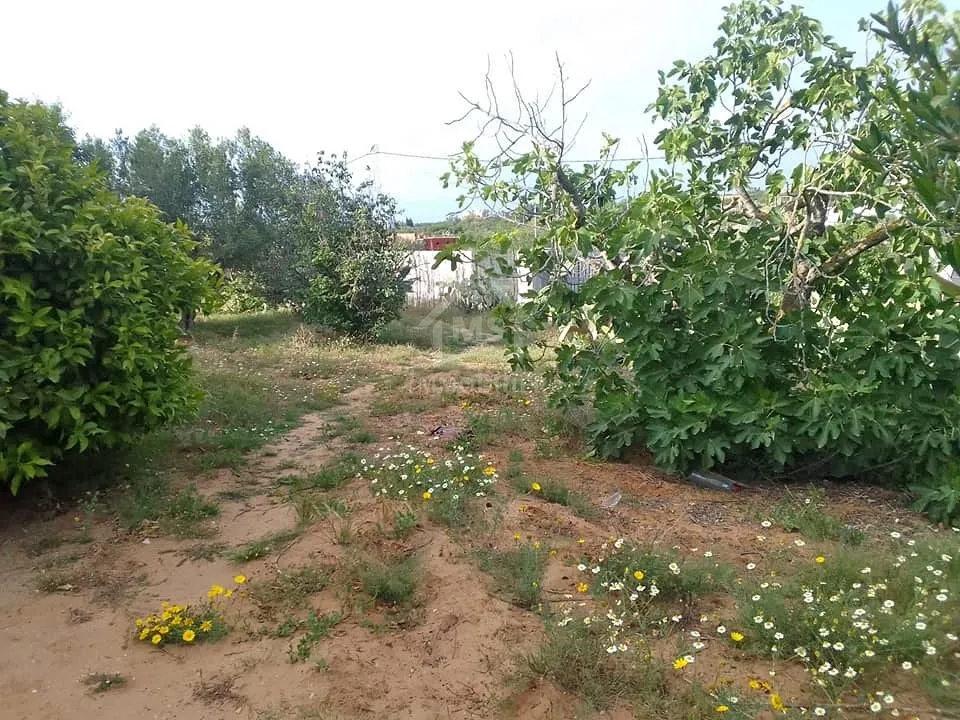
(438, 242)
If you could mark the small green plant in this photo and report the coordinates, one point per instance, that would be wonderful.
(364, 437)
(257, 549)
(391, 582)
(515, 456)
(311, 507)
(316, 628)
(102, 682)
(151, 498)
(329, 477)
(807, 516)
(517, 573)
(404, 523)
(554, 491)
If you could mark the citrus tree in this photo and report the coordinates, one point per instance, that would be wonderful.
(767, 302)
(91, 290)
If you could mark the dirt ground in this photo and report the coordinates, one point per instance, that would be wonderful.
(67, 609)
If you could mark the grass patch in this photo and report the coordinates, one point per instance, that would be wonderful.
(329, 477)
(807, 515)
(264, 546)
(102, 682)
(553, 491)
(575, 658)
(311, 507)
(439, 327)
(363, 437)
(392, 581)
(861, 610)
(518, 572)
(452, 510)
(179, 512)
(316, 628)
(290, 590)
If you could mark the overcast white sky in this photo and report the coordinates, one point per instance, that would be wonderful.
(309, 76)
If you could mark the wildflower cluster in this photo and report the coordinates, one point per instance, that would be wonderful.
(631, 579)
(186, 624)
(842, 617)
(411, 474)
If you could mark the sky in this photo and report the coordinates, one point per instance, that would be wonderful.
(356, 76)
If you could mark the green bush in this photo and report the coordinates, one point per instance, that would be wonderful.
(91, 290)
(359, 280)
(766, 303)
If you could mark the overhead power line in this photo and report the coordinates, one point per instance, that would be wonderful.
(448, 158)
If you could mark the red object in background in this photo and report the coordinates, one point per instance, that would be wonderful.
(438, 242)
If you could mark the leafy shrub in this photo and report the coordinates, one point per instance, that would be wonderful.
(360, 273)
(749, 308)
(91, 289)
(241, 293)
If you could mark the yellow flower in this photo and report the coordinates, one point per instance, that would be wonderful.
(176, 621)
(144, 634)
(429, 461)
(776, 702)
(139, 622)
(240, 579)
(523, 508)
(427, 494)
(164, 604)
(526, 402)
(821, 559)
(215, 591)
(516, 536)
(535, 486)
(417, 469)
(580, 541)
(722, 708)
(489, 470)
(536, 545)
(206, 626)
(189, 635)
(638, 575)
(163, 629)
(553, 553)
(466, 478)
(680, 663)
(755, 684)
(228, 593)
(582, 587)
(736, 637)
(188, 622)
(166, 615)
(156, 639)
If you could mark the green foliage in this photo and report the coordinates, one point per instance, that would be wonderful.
(91, 290)
(392, 582)
(519, 572)
(766, 303)
(359, 280)
(242, 293)
(808, 516)
(316, 628)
